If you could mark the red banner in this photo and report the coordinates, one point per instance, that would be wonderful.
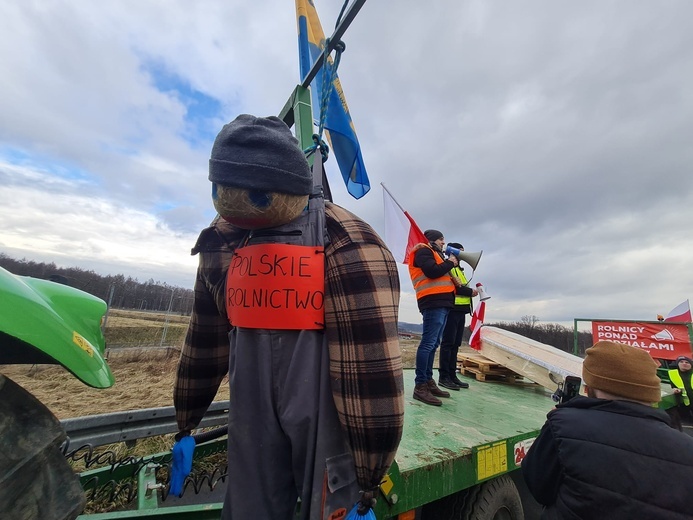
(661, 340)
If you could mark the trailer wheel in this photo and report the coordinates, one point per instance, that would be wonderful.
(496, 499)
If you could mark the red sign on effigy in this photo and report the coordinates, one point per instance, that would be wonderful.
(661, 340)
(277, 286)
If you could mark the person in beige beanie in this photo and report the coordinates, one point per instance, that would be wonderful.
(612, 455)
(617, 371)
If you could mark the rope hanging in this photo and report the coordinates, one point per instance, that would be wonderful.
(318, 144)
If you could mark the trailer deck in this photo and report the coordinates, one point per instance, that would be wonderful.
(479, 433)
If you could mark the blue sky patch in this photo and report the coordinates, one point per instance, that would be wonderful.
(203, 111)
(44, 163)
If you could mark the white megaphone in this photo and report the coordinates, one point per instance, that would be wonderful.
(482, 293)
(469, 258)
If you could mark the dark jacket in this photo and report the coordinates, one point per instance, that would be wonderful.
(600, 459)
(423, 258)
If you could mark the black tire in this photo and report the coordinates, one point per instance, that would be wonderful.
(496, 499)
(37, 481)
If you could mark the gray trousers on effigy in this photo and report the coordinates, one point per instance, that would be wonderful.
(285, 438)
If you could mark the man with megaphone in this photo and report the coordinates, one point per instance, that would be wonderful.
(435, 296)
(454, 326)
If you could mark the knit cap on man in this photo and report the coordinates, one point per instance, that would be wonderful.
(622, 370)
(260, 154)
(432, 235)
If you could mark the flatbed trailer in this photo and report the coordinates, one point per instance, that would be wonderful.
(478, 435)
(462, 460)
(457, 461)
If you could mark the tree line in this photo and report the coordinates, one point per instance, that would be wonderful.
(552, 334)
(128, 293)
(117, 290)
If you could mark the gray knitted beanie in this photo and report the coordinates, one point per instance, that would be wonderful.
(260, 153)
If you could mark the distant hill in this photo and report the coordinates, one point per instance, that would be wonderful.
(410, 327)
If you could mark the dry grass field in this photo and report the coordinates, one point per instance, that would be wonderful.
(408, 347)
(144, 378)
(126, 328)
(144, 374)
(142, 381)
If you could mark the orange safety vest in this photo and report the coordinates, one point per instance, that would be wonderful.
(423, 285)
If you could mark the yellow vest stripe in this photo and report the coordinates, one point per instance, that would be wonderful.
(675, 378)
(461, 300)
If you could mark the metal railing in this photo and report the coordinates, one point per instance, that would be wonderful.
(98, 430)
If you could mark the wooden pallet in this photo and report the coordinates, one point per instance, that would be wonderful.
(478, 362)
(484, 369)
(494, 375)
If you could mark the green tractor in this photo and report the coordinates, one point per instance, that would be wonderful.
(43, 322)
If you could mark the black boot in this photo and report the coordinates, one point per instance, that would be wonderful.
(423, 393)
(461, 384)
(449, 384)
(444, 362)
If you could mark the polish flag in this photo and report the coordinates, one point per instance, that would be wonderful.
(475, 325)
(401, 232)
(680, 313)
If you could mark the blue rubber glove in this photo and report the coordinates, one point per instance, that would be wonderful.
(182, 464)
(355, 515)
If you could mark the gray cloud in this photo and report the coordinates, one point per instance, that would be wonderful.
(555, 136)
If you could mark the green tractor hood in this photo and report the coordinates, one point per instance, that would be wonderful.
(43, 322)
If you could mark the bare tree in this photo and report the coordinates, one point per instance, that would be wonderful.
(529, 321)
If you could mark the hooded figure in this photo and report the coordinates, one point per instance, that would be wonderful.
(298, 299)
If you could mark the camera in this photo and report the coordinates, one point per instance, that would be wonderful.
(569, 388)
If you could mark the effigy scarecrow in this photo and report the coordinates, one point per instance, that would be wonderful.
(298, 299)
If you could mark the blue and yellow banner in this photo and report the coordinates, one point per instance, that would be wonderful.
(338, 124)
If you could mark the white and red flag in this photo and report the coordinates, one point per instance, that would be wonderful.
(401, 232)
(680, 313)
(476, 323)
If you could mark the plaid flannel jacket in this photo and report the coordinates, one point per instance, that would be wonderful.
(361, 313)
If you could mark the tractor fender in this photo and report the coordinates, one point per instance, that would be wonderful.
(47, 322)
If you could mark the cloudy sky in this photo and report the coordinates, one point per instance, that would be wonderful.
(556, 136)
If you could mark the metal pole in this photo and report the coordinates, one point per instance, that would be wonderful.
(336, 36)
(288, 112)
(108, 306)
(393, 198)
(575, 337)
(168, 312)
